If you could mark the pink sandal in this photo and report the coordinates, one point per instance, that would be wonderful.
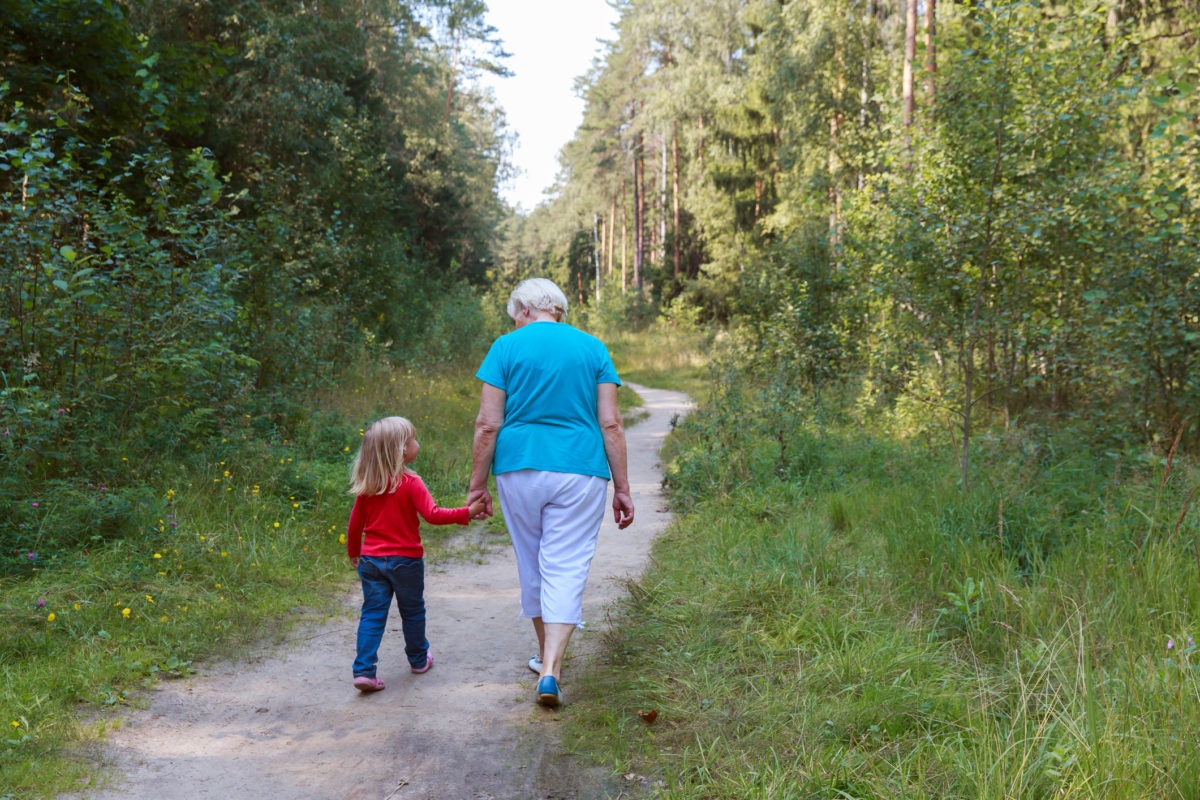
(428, 664)
(365, 684)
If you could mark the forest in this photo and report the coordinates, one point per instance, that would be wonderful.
(986, 211)
(971, 226)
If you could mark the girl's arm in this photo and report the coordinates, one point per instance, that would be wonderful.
(430, 511)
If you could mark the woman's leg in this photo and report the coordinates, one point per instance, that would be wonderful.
(570, 525)
(556, 637)
(521, 502)
(377, 599)
(553, 519)
(540, 630)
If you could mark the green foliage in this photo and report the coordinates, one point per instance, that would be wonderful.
(117, 308)
(451, 328)
(618, 313)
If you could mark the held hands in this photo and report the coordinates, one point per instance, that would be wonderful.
(622, 509)
(479, 501)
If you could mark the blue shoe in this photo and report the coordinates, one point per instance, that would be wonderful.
(549, 694)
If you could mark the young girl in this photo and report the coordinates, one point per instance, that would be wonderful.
(384, 542)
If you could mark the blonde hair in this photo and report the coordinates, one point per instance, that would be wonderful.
(537, 293)
(379, 466)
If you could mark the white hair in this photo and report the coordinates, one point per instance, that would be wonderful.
(537, 293)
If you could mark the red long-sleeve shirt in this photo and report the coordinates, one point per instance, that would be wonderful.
(387, 524)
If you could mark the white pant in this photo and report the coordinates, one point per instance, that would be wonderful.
(554, 519)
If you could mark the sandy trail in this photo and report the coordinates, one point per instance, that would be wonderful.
(288, 723)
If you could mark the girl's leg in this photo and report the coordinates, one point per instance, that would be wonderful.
(407, 577)
(377, 599)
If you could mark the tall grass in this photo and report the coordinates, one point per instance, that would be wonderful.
(848, 622)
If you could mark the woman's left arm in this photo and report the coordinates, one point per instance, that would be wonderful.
(612, 426)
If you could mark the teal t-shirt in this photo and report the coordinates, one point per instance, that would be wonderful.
(549, 373)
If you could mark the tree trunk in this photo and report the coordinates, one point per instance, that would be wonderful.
(930, 52)
(906, 87)
(624, 239)
(835, 165)
(864, 90)
(639, 211)
(597, 250)
(662, 202)
(675, 198)
(612, 234)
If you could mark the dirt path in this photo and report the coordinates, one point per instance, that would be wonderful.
(289, 725)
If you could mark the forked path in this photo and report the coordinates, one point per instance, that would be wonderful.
(289, 725)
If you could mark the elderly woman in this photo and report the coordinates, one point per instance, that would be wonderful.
(550, 430)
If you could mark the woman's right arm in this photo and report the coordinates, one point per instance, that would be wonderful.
(487, 428)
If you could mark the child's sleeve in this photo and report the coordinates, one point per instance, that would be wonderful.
(429, 510)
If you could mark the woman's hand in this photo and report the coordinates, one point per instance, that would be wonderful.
(622, 509)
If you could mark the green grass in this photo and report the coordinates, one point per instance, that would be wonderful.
(857, 626)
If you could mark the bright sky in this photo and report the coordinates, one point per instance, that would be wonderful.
(552, 42)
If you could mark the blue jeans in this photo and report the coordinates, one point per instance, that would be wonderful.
(382, 577)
